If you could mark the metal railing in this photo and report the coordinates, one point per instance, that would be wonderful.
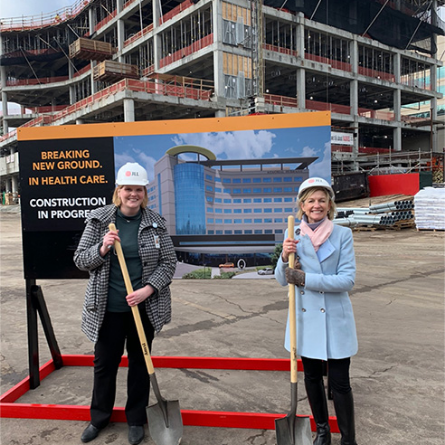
(44, 20)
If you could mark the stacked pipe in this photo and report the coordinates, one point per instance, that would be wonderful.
(380, 215)
(395, 205)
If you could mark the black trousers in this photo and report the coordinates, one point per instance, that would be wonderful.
(338, 372)
(117, 329)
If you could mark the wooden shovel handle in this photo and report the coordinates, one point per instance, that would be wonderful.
(292, 315)
(134, 309)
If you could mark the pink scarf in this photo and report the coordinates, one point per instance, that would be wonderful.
(320, 234)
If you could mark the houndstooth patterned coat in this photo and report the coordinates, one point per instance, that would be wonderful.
(158, 265)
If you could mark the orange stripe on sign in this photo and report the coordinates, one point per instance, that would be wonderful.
(294, 120)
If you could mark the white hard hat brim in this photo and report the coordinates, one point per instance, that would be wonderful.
(132, 182)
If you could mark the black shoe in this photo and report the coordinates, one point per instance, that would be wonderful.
(90, 433)
(135, 434)
(323, 434)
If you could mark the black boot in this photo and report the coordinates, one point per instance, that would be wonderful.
(344, 408)
(317, 399)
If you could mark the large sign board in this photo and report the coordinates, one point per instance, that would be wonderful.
(67, 171)
(61, 181)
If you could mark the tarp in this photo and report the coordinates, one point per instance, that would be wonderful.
(21, 56)
(390, 27)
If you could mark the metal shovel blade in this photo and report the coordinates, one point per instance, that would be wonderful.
(161, 431)
(293, 430)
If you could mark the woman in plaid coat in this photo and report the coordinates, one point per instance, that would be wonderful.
(107, 319)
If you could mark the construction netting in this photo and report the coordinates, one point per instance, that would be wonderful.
(21, 57)
(403, 28)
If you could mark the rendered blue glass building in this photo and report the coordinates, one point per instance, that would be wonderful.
(226, 197)
(189, 199)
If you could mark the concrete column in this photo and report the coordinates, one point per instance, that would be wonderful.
(72, 92)
(397, 67)
(91, 20)
(301, 88)
(120, 38)
(353, 102)
(4, 99)
(218, 74)
(157, 48)
(300, 36)
(157, 13)
(79, 121)
(218, 68)
(119, 6)
(220, 113)
(397, 105)
(353, 54)
(434, 132)
(129, 110)
(397, 139)
(355, 127)
(93, 83)
(70, 70)
(8, 185)
(353, 97)
(301, 72)
(397, 133)
(14, 184)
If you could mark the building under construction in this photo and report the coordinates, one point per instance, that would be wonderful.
(366, 61)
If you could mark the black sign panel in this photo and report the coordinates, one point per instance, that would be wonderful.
(61, 181)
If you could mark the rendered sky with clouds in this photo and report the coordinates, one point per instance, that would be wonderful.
(258, 144)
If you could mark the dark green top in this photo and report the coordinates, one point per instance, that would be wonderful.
(128, 227)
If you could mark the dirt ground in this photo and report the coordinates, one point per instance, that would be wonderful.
(397, 375)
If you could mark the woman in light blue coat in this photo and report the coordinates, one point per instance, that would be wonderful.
(324, 273)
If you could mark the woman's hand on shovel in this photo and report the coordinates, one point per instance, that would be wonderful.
(289, 247)
(140, 295)
(295, 276)
(108, 242)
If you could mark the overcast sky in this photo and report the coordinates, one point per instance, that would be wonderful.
(18, 8)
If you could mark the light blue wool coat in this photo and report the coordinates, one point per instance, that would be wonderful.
(325, 319)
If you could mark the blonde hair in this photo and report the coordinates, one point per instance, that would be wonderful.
(117, 200)
(310, 191)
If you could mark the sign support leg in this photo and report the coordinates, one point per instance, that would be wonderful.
(35, 302)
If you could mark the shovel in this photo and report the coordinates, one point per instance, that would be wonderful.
(293, 430)
(164, 417)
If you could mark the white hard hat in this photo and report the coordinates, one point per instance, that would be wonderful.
(316, 182)
(132, 174)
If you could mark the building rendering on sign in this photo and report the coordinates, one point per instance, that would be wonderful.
(226, 197)
(369, 62)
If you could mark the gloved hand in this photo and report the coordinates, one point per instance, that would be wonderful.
(295, 276)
